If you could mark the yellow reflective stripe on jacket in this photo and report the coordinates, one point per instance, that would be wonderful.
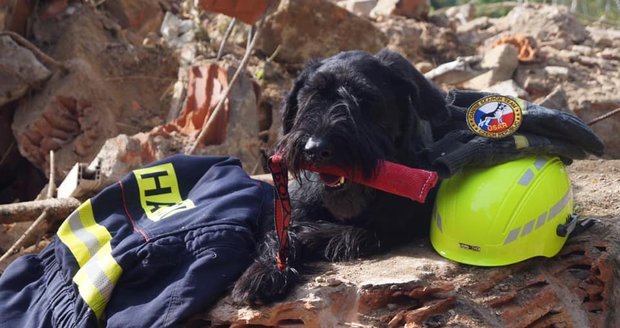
(89, 243)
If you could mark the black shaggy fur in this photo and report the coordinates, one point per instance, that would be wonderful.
(350, 110)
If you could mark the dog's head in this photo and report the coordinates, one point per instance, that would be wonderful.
(353, 110)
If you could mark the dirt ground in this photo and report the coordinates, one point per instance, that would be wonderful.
(596, 184)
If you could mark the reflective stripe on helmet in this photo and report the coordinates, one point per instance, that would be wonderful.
(89, 243)
(553, 212)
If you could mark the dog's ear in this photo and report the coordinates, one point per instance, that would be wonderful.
(428, 101)
(290, 106)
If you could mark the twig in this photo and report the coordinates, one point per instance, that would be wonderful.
(6, 153)
(222, 100)
(229, 30)
(604, 116)
(14, 248)
(28, 211)
(51, 188)
(137, 77)
(274, 54)
(37, 52)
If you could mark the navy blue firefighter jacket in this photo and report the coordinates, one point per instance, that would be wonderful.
(163, 243)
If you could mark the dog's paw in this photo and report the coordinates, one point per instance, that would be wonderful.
(352, 244)
(263, 283)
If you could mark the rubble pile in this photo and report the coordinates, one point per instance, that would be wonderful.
(109, 86)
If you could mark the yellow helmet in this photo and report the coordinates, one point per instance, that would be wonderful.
(504, 214)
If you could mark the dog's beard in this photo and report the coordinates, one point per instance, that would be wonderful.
(347, 201)
(359, 153)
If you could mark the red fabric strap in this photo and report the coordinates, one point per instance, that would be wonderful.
(394, 178)
(282, 207)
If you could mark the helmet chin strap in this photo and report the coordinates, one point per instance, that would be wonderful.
(574, 226)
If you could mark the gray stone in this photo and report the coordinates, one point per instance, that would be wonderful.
(508, 88)
(504, 57)
(604, 38)
(501, 63)
(475, 25)
(20, 70)
(584, 50)
(559, 71)
(556, 99)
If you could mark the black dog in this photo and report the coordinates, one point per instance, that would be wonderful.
(351, 110)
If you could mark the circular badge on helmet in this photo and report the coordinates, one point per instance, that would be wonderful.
(495, 116)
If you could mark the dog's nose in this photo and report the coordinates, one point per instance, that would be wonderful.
(317, 149)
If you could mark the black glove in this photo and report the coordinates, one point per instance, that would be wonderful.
(543, 131)
(561, 125)
(463, 148)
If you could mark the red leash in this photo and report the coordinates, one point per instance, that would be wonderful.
(397, 179)
(282, 207)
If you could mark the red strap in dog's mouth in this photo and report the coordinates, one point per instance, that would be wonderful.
(389, 177)
(332, 181)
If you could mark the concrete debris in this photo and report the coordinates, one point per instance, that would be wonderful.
(500, 63)
(358, 7)
(206, 83)
(423, 40)
(609, 54)
(543, 23)
(177, 32)
(462, 14)
(455, 72)
(591, 109)
(333, 29)
(503, 57)
(508, 88)
(20, 72)
(207, 80)
(66, 122)
(138, 16)
(111, 87)
(475, 25)
(557, 71)
(604, 38)
(525, 45)
(247, 11)
(557, 99)
(416, 9)
(122, 154)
